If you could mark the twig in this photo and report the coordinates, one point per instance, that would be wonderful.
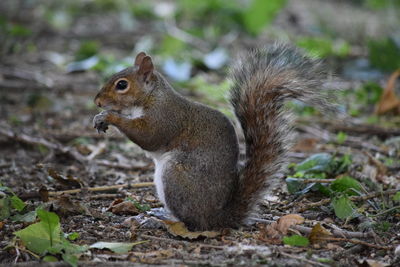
(357, 242)
(100, 196)
(385, 211)
(310, 181)
(96, 151)
(180, 241)
(117, 165)
(102, 188)
(335, 232)
(302, 259)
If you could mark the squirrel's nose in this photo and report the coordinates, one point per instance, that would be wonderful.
(97, 101)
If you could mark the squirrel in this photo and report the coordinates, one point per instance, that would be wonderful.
(195, 148)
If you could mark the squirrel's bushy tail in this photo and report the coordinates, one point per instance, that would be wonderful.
(262, 80)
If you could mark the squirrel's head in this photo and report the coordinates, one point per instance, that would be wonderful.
(128, 88)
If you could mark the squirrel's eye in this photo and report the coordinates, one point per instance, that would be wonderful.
(121, 85)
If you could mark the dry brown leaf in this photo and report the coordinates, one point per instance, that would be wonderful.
(68, 181)
(274, 231)
(65, 206)
(305, 145)
(389, 101)
(179, 229)
(319, 234)
(286, 221)
(121, 207)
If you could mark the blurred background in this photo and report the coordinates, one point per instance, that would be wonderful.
(52, 47)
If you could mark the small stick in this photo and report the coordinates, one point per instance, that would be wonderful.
(357, 242)
(102, 188)
(116, 165)
(180, 241)
(99, 196)
(307, 230)
(309, 181)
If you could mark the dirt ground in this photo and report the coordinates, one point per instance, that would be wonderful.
(48, 145)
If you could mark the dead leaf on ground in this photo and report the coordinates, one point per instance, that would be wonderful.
(286, 221)
(389, 101)
(276, 230)
(319, 234)
(66, 206)
(179, 229)
(121, 207)
(69, 181)
(305, 145)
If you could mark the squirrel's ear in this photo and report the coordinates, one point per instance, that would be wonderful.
(139, 58)
(146, 67)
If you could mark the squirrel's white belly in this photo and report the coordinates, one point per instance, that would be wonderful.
(160, 162)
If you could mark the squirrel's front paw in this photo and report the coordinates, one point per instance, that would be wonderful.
(99, 121)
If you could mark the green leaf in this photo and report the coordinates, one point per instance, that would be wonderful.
(346, 184)
(341, 137)
(343, 207)
(296, 240)
(39, 237)
(17, 203)
(87, 49)
(316, 163)
(73, 236)
(4, 208)
(323, 47)
(384, 54)
(396, 196)
(49, 258)
(116, 247)
(261, 13)
(293, 185)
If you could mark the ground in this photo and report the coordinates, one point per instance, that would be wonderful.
(48, 144)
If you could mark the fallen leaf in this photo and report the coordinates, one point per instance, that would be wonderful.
(179, 229)
(121, 207)
(66, 206)
(389, 101)
(274, 231)
(68, 181)
(44, 194)
(305, 145)
(285, 222)
(318, 234)
(296, 240)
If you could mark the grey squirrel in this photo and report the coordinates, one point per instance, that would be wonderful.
(195, 148)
